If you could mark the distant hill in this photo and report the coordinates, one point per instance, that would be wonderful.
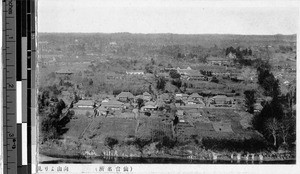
(204, 40)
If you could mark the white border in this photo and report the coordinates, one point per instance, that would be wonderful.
(167, 168)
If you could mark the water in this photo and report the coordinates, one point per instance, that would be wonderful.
(137, 160)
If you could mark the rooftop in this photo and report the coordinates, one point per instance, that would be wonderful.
(195, 95)
(112, 102)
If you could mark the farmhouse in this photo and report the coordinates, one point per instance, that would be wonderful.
(135, 72)
(195, 96)
(149, 106)
(84, 104)
(112, 105)
(195, 76)
(125, 96)
(220, 100)
(181, 96)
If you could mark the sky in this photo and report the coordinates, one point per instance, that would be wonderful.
(182, 17)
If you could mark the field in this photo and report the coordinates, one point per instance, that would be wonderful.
(219, 123)
(97, 129)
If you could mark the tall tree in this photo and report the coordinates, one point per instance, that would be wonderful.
(161, 83)
(250, 100)
(174, 74)
(272, 128)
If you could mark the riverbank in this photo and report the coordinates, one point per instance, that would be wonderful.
(149, 160)
(81, 151)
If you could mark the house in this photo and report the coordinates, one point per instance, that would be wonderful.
(191, 106)
(125, 96)
(149, 106)
(84, 104)
(195, 102)
(135, 72)
(194, 76)
(181, 96)
(220, 100)
(112, 105)
(195, 96)
(189, 73)
(147, 96)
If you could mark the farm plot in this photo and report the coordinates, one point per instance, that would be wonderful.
(217, 123)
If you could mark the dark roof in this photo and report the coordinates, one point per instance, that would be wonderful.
(112, 103)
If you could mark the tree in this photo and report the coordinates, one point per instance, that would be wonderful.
(174, 74)
(250, 100)
(141, 142)
(177, 83)
(152, 61)
(91, 82)
(149, 68)
(161, 83)
(110, 142)
(140, 103)
(287, 128)
(214, 79)
(272, 128)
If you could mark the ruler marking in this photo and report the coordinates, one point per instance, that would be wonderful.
(17, 23)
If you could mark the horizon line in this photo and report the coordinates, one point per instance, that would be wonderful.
(166, 33)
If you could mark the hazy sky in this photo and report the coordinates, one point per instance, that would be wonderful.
(188, 17)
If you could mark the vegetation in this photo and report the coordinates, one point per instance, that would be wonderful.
(110, 142)
(141, 142)
(250, 100)
(275, 121)
(100, 71)
(235, 145)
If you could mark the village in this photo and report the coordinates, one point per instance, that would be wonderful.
(158, 106)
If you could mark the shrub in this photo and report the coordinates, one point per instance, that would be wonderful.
(110, 142)
(250, 145)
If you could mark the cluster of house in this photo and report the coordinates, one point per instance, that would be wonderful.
(127, 102)
(220, 61)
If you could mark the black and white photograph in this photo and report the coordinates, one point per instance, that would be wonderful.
(166, 82)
